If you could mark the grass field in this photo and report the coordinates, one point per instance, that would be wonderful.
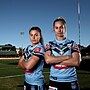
(11, 76)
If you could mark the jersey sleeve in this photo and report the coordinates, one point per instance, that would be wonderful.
(27, 53)
(39, 51)
(24, 53)
(48, 47)
(75, 47)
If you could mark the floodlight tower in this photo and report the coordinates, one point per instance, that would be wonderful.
(78, 6)
(22, 33)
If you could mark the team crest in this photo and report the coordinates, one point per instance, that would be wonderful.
(47, 46)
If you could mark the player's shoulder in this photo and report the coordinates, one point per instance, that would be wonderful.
(39, 45)
(39, 48)
(27, 48)
(70, 41)
(52, 42)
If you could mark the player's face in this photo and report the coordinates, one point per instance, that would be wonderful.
(34, 37)
(59, 29)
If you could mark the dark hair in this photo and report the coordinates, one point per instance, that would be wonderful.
(59, 19)
(39, 30)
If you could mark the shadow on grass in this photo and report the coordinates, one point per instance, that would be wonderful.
(85, 89)
(23, 86)
(19, 85)
(16, 63)
(84, 65)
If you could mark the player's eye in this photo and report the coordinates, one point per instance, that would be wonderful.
(56, 27)
(36, 34)
(61, 27)
(31, 34)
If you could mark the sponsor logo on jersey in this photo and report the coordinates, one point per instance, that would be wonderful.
(37, 50)
(47, 46)
(58, 66)
(76, 47)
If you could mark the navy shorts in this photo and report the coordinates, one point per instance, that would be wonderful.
(63, 85)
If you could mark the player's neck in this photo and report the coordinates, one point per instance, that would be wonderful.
(60, 38)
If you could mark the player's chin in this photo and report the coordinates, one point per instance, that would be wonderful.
(60, 35)
(34, 42)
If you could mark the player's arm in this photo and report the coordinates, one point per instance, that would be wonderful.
(74, 60)
(34, 59)
(50, 59)
(31, 63)
(20, 64)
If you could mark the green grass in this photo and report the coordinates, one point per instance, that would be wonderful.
(10, 68)
(84, 79)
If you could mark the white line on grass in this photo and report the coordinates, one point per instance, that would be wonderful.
(11, 76)
(15, 76)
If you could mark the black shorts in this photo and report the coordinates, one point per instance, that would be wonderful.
(63, 85)
(33, 87)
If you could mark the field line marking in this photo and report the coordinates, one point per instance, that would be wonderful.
(15, 76)
(11, 76)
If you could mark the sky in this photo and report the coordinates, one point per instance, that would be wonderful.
(18, 16)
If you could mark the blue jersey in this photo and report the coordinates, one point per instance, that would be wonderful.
(62, 73)
(34, 76)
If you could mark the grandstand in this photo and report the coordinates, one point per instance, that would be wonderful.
(8, 51)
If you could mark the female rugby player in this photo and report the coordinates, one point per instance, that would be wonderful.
(32, 61)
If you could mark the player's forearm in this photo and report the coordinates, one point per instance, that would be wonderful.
(74, 61)
(28, 65)
(56, 59)
(21, 65)
(31, 63)
(71, 62)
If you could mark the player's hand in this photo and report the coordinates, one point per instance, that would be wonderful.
(48, 53)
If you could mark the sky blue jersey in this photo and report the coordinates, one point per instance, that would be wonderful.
(34, 76)
(62, 73)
